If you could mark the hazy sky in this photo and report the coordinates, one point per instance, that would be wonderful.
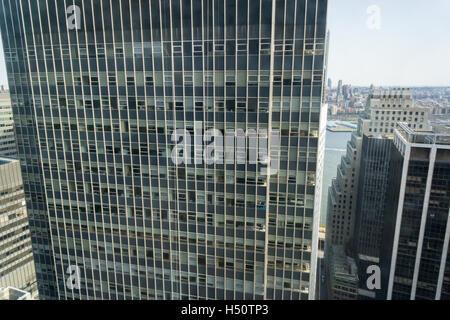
(408, 46)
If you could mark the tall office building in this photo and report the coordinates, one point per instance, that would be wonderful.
(7, 137)
(99, 87)
(356, 200)
(415, 261)
(384, 109)
(16, 255)
(370, 201)
(339, 92)
(341, 195)
(342, 275)
(10, 293)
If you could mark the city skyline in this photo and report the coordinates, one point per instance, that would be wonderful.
(224, 150)
(136, 223)
(358, 54)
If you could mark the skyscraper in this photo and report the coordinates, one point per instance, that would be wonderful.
(415, 260)
(370, 198)
(357, 197)
(339, 93)
(7, 137)
(104, 91)
(384, 109)
(16, 255)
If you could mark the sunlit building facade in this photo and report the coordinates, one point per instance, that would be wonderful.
(7, 137)
(16, 254)
(98, 89)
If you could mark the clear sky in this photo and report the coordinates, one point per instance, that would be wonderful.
(408, 46)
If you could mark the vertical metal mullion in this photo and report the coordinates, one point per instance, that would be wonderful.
(123, 162)
(214, 214)
(89, 156)
(132, 162)
(65, 161)
(406, 154)
(157, 159)
(288, 149)
(272, 50)
(306, 161)
(174, 121)
(297, 147)
(140, 158)
(247, 143)
(120, 140)
(193, 112)
(97, 160)
(426, 202)
(106, 162)
(443, 259)
(114, 162)
(38, 137)
(167, 167)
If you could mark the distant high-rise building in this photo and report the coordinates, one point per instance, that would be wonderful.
(7, 136)
(341, 200)
(415, 261)
(330, 83)
(385, 108)
(103, 91)
(339, 95)
(370, 199)
(355, 201)
(10, 293)
(347, 91)
(16, 255)
(342, 275)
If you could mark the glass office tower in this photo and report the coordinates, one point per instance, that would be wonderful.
(99, 91)
(415, 260)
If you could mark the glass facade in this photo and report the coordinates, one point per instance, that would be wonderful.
(419, 261)
(373, 182)
(98, 89)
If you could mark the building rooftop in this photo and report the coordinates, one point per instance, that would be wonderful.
(10, 293)
(343, 267)
(392, 93)
(439, 135)
(2, 161)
